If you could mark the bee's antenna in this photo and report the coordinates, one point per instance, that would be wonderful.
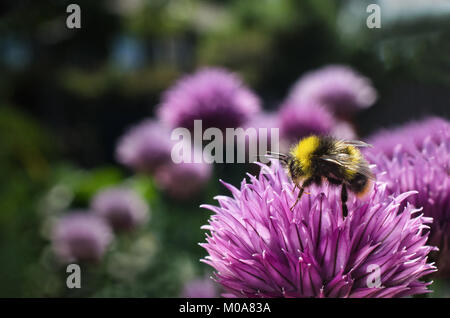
(275, 155)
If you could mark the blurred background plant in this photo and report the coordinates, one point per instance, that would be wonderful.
(67, 96)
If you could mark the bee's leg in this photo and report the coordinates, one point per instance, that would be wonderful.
(306, 183)
(344, 197)
(298, 197)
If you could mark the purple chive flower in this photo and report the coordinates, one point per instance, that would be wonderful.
(81, 236)
(145, 146)
(426, 169)
(300, 120)
(262, 249)
(183, 180)
(338, 87)
(213, 95)
(122, 208)
(411, 136)
(200, 288)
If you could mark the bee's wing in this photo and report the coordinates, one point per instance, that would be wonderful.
(364, 169)
(356, 143)
(344, 160)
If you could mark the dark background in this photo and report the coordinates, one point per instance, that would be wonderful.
(84, 86)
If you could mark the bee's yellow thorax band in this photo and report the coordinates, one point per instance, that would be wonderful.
(355, 158)
(303, 151)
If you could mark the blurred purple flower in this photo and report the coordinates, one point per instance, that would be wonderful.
(200, 288)
(262, 249)
(263, 120)
(426, 169)
(81, 236)
(344, 130)
(145, 146)
(300, 120)
(183, 180)
(121, 207)
(338, 87)
(266, 121)
(410, 136)
(213, 95)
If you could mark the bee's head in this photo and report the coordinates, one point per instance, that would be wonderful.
(301, 154)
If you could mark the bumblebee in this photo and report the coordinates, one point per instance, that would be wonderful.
(317, 158)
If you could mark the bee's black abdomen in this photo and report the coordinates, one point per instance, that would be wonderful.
(358, 183)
